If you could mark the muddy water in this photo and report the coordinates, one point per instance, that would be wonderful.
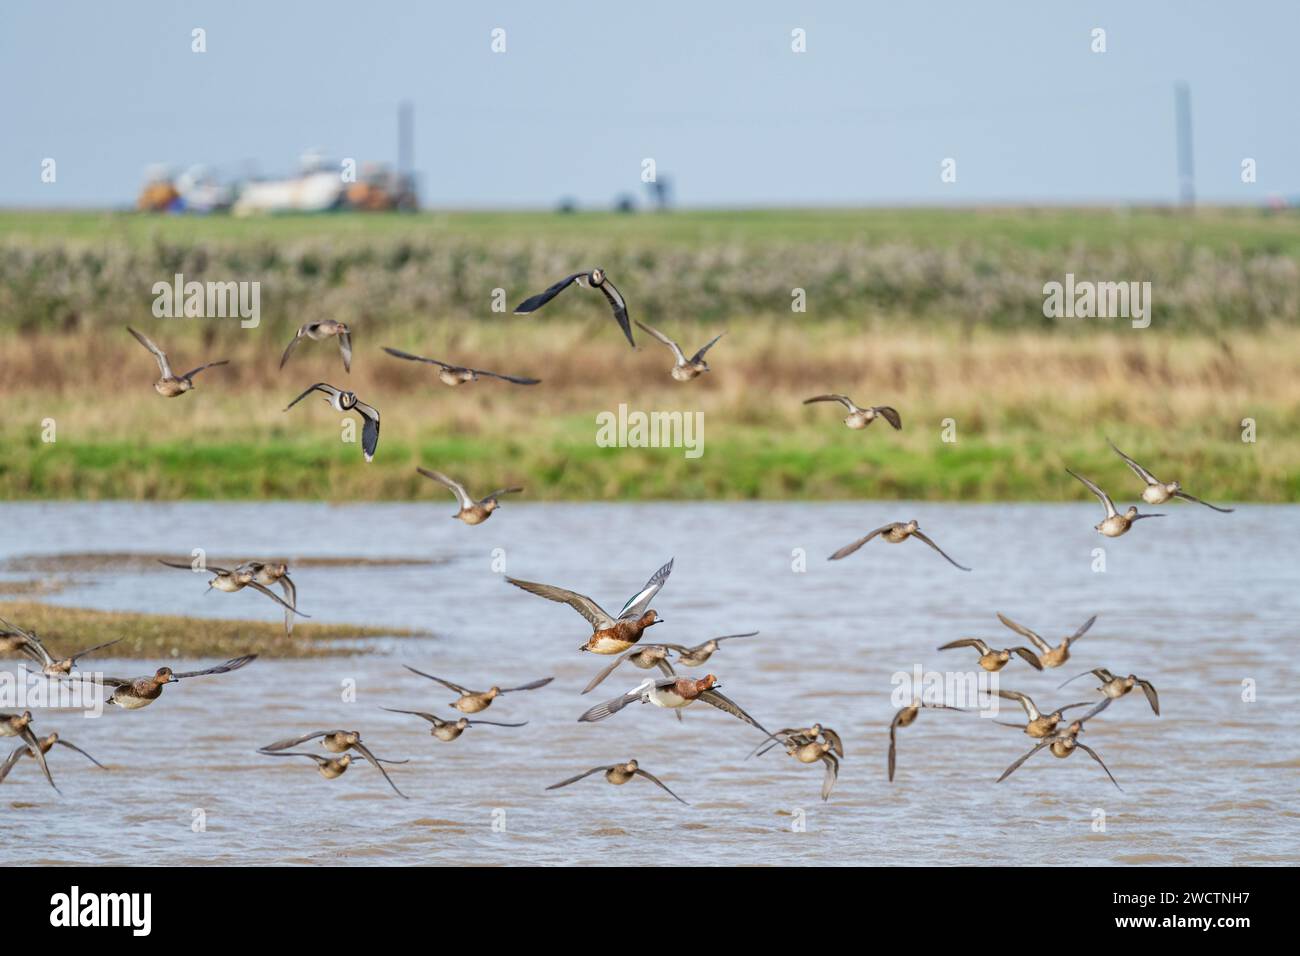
(1182, 601)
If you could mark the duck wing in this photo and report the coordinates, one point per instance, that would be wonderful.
(158, 353)
(921, 535)
(234, 664)
(636, 605)
(848, 549)
(584, 605)
(535, 302)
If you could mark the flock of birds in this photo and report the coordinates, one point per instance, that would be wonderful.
(617, 635)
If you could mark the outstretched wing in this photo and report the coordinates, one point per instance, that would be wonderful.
(712, 342)
(361, 749)
(370, 429)
(612, 707)
(729, 706)
(345, 349)
(636, 605)
(517, 379)
(848, 549)
(328, 389)
(456, 487)
(608, 669)
(295, 741)
(398, 353)
(1016, 766)
(445, 683)
(619, 305)
(529, 686)
(660, 337)
(581, 776)
(842, 399)
(1138, 470)
(302, 331)
(584, 605)
(1101, 495)
(263, 589)
(1093, 754)
(535, 302)
(1026, 633)
(158, 353)
(195, 371)
(1028, 655)
(1186, 497)
(921, 535)
(974, 642)
(889, 414)
(659, 783)
(234, 664)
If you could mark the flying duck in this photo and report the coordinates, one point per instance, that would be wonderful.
(610, 635)
(454, 375)
(344, 401)
(170, 385)
(684, 369)
(595, 279)
(324, 329)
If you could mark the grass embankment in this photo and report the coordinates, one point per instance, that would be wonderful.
(938, 313)
(161, 637)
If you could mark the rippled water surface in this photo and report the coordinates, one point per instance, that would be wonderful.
(1197, 602)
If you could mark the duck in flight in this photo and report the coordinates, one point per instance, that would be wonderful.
(331, 768)
(1157, 492)
(267, 573)
(895, 533)
(337, 742)
(1115, 687)
(20, 726)
(619, 774)
(344, 401)
(51, 666)
(995, 660)
(1040, 724)
(43, 746)
(1065, 743)
(1049, 656)
(800, 736)
(454, 375)
(1114, 524)
(698, 655)
(595, 279)
(684, 369)
(473, 701)
(673, 693)
(171, 385)
(324, 329)
(471, 512)
(861, 417)
(448, 730)
(231, 581)
(132, 693)
(610, 635)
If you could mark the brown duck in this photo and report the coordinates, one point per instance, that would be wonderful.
(895, 533)
(449, 730)
(474, 701)
(610, 635)
(471, 512)
(171, 385)
(992, 660)
(1048, 655)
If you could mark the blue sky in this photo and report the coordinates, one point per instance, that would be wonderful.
(711, 91)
